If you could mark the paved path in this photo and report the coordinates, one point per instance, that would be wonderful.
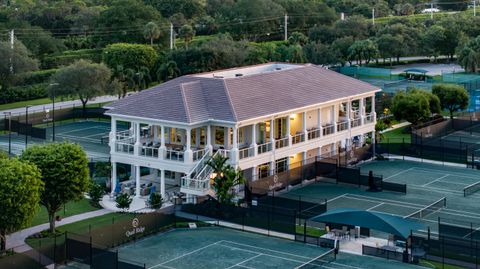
(396, 126)
(17, 239)
(58, 105)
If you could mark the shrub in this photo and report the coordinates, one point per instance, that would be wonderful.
(23, 93)
(96, 192)
(155, 200)
(37, 77)
(123, 201)
(68, 57)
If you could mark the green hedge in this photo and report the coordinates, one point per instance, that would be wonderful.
(68, 57)
(23, 93)
(37, 77)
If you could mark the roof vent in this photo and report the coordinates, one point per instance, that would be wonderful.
(278, 68)
(238, 75)
(218, 76)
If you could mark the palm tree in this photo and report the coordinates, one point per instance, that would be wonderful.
(151, 31)
(168, 71)
(226, 178)
(187, 33)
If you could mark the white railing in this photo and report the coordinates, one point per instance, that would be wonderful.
(149, 152)
(199, 166)
(264, 148)
(123, 135)
(314, 134)
(356, 122)
(200, 185)
(201, 181)
(298, 138)
(246, 153)
(175, 155)
(281, 143)
(328, 129)
(124, 147)
(198, 154)
(368, 118)
(342, 126)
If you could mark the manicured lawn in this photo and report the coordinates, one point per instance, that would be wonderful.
(41, 101)
(311, 231)
(396, 136)
(72, 208)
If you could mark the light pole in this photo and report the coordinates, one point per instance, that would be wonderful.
(52, 86)
(9, 132)
(26, 126)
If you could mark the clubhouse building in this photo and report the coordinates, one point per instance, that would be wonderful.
(264, 118)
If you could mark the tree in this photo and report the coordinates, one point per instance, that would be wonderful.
(469, 55)
(433, 40)
(187, 33)
(167, 71)
(340, 49)
(21, 62)
(96, 193)
(318, 53)
(226, 178)
(363, 50)
(20, 185)
(133, 56)
(297, 38)
(453, 5)
(82, 79)
(155, 200)
(413, 106)
(65, 174)
(123, 201)
(390, 46)
(151, 32)
(452, 97)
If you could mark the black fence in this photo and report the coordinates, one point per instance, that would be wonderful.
(386, 253)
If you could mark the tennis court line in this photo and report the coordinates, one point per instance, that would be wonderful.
(267, 249)
(264, 254)
(435, 180)
(419, 187)
(458, 174)
(375, 206)
(186, 254)
(399, 173)
(76, 130)
(240, 263)
(337, 197)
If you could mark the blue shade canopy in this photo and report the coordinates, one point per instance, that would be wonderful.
(373, 220)
(415, 70)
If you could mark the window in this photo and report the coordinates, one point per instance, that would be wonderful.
(281, 165)
(219, 135)
(263, 170)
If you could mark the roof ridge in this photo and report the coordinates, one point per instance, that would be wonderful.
(230, 100)
(185, 105)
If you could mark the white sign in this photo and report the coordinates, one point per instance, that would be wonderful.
(136, 228)
(275, 184)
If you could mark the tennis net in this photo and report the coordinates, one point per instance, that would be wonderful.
(320, 261)
(471, 189)
(432, 208)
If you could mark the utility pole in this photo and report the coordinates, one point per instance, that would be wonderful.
(171, 36)
(373, 16)
(431, 10)
(286, 27)
(474, 8)
(342, 16)
(12, 40)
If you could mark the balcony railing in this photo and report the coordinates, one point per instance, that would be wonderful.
(198, 154)
(123, 135)
(199, 185)
(281, 143)
(356, 122)
(264, 148)
(123, 147)
(369, 118)
(314, 134)
(246, 153)
(298, 138)
(149, 152)
(175, 155)
(328, 129)
(342, 126)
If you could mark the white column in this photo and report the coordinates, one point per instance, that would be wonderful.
(304, 124)
(163, 148)
(304, 157)
(272, 140)
(188, 151)
(113, 134)
(209, 138)
(162, 183)
(272, 167)
(197, 137)
(155, 133)
(254, 139)
(137, 139)
(319, 121)
(137, 181)
(349, 113)
(373, 109)
(234, 152)
(289, 134)
(373, 143)
(113, 180)
(334, 117)
(362, 110)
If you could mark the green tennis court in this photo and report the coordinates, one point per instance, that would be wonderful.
(226, 248)
(426, 183)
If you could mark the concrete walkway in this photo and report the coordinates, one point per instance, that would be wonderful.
(59, 105)
(396, 126)
(17, 240)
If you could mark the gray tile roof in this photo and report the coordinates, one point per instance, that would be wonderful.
(191, 99)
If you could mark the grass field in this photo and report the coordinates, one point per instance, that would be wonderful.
(396, 136)
(72, 208)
